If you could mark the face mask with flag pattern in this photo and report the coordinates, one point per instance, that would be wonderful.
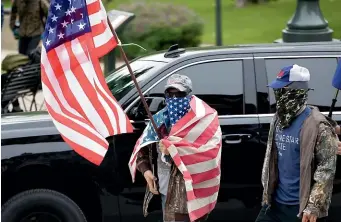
(177, 107)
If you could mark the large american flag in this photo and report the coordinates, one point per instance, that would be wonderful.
(194, 143)
(76, 94)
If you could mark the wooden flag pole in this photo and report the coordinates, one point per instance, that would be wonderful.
(150, 116)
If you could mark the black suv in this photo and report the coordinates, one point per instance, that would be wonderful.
(43, 178)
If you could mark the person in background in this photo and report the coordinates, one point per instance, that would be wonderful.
(300, 160)
(32, 15)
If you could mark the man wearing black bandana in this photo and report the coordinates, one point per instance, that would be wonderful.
(300, 160)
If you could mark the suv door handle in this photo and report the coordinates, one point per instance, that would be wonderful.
(235, 138)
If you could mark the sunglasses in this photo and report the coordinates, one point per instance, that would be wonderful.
(175, 94)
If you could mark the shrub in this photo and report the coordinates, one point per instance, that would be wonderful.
(157, 26)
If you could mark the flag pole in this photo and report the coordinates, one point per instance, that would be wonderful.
(333, 104)
(150, 116)
(334, 100)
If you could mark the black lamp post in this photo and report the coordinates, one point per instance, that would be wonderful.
(219, 40)
(307, 24)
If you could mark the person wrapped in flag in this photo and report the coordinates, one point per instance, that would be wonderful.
(188, 181)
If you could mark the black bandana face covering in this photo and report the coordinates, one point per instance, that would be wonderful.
(288, 103)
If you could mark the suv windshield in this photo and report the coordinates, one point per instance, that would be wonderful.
(120, 82)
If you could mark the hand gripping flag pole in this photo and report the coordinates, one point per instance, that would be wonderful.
(337, 84)
(150, 116)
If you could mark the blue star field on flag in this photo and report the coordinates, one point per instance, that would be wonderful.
(149, 134)
(67, 20)
(177, 108)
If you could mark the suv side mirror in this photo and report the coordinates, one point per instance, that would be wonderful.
(155, 105)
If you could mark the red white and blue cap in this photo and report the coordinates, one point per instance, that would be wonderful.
(294, 76)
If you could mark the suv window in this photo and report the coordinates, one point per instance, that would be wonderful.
(120, 82)
(321, 74)
(219, 84)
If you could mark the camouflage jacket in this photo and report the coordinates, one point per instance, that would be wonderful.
(32, 14)
(318, 145)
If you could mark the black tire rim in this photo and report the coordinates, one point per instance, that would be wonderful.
(41, 217)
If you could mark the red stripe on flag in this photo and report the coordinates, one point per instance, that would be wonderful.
(100, 77)
(190, 195)
(75, 126)
(201, 157)
(93, 7)
(113, 108)
(203, 176)
(98, 29)
(210, 131)
(84, 152)
(105, 48)
(48, 84)
(86, 85)
(185, 131)
(188, 117)
(63, 83)
(196, 214)
(206, 192)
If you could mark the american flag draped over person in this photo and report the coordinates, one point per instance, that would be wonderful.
(194, 144)
(76, 94)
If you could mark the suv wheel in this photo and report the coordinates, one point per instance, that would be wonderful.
(41, 205)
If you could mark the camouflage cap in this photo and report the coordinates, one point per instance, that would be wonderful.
(179, 82)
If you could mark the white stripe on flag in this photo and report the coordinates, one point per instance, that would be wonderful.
(80, 139)
(77, 90)
(200, 108)
(201, 202)
(89, 70)
(54, 82)
(88, 2)
(83, 60)
(103, 38)
(122, 120)
(95, 18)
(50, 99)
(204, 166)
(199, 128)
(207, 183)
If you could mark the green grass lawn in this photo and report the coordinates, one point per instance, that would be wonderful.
(252, 24)
(7, 3)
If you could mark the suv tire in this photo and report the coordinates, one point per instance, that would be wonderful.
(41, 205)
